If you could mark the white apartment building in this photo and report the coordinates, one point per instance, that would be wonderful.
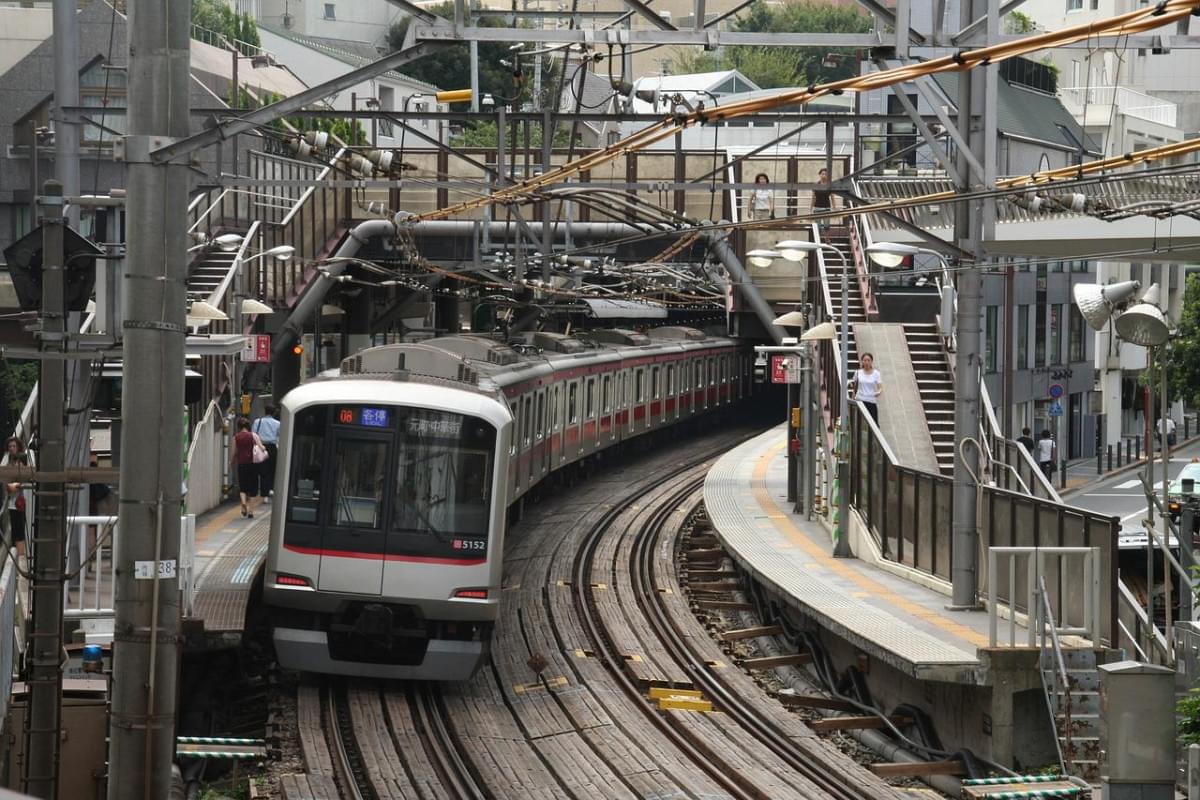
(1126, 100)
(352, 20)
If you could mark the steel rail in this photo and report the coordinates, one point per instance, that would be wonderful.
(440, 746)
(339, 732)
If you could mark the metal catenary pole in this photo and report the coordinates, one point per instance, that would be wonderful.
(49, 528)
(66, 95)
(145, 641)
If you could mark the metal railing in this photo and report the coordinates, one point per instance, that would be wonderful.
(92, 593)
(1056, 683)
(1127, 101)
(909, 513)
(207, 461)
(1085, 583)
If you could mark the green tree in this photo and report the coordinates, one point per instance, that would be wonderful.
(1183, 356)
(483, 134)
(217, 16)
(450, 67)
(772, 67)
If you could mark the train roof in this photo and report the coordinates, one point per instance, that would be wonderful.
(487, 364)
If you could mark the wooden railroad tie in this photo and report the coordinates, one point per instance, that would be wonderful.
(714, 586)
(727, 605)
(913, 769)
(706, 554)
(771, 662)
(794, 700)
(738, 634)
(710, 574)
(855, 723)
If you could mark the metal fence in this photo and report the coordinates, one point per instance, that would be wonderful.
(207, 462)
(910, 514)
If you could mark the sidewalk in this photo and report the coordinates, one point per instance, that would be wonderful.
(1081, 473)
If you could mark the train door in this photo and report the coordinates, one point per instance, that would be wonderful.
(608, 427)
(541, 436)
(672, 393)
(592, 415)
(353, 541)
(526, 461)
(574, 423)
(620, 417)
(640, 406)
(557, 453)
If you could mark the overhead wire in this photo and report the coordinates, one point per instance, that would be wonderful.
(1136, 21)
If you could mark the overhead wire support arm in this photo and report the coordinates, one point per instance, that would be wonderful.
(296, 102)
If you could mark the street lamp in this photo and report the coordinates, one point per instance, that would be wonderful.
(1143, 323)
(226, 242)
(797, 250)
(282, 252)
(762, 258)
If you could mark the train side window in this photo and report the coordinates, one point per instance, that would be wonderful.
(590, 408)
(555, 409)
(358, 467)
(573, 403)
(639, 391)
(526, 428)
(698, 367)
(606, 394)
(541, 415)
(654, 383)
(670, 380)
(711, 373)
(308, 456)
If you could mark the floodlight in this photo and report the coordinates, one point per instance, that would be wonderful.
(792, 319)
(1144, 323)
(206, 311)
(796, 249)
(283, 252)
(1096, 303)
(761, 258)
(228, 241)
(252, 306)
(820, 333)
(890, 255)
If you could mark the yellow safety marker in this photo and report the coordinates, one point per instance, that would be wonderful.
(634, 657)
(599, 585)
(580, 653)
(551, 683)
(454, 96)
(659, 692)
(679, 703)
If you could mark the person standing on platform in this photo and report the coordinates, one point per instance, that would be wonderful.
(1026, 441)
(248, 470)
(18, 497)
(867, 385)
(1045, 454)
(266, 428)
(762, 199)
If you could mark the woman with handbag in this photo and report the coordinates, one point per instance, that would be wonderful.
(248, 453)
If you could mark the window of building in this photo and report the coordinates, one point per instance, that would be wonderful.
(1039, 319)
(1022, 337)
(101, 89)
(991, 338)
(329, 11)
(1054, 356)
(1074, 5)
(1077, 332)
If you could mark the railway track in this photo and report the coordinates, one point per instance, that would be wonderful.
(683, 647)
(681, 659)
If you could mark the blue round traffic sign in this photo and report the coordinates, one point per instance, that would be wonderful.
(1056, 390)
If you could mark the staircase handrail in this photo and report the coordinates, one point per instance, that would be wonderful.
(218, 297)
(862, 269)
(1157, 641)
(1058, 668)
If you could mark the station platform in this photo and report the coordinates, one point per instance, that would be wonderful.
(230, 549)
(885, 615)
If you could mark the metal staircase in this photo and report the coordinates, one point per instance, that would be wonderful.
(1072, 687)
(208, 271)
(936, 385)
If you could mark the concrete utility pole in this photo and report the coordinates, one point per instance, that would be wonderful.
(145, 641)
(50, 527)
(66, 95)
(976, 100)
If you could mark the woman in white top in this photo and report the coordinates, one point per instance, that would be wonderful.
(762, 199)
(868, 383)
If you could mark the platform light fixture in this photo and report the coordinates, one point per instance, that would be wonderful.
(252, 306)
(204, 312)
(762, 258)
(795, 250)
(891, 255)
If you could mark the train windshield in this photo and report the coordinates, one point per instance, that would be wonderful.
(420, 477)
(443, 474)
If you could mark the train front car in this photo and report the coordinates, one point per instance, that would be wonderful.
(387, 536)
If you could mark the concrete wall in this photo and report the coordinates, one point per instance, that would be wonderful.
(354, 20)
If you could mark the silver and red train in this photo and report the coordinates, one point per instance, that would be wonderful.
(396, 475)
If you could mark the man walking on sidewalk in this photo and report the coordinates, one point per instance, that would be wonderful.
(1045, 454)
(1026, 441)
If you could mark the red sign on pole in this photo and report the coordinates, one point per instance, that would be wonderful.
(778, 369)
(257, 349)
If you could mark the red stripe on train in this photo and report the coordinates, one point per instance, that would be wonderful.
(318, 551)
